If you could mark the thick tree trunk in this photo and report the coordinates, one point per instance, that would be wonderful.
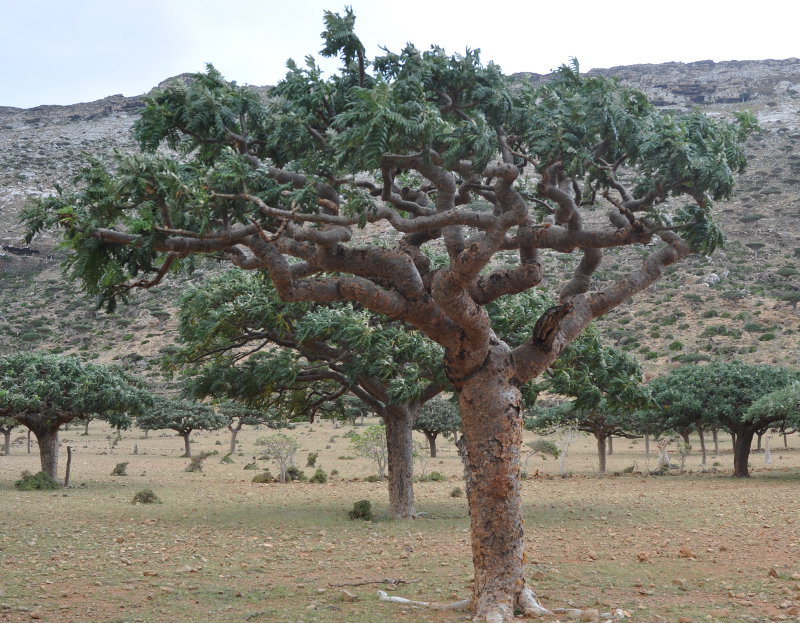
(400, 446)
(7, 441)
(186, 445)
(601, 453)
(702, 443)
(431, 437)
(741, 453)
(610, 445)
(48, 451)
(492, 423)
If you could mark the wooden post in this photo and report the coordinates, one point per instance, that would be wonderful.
(69, 465)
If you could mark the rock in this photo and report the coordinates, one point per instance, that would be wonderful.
(348, 596)
(679, 582)
(642, 557)
(773, 572)
(685, 552)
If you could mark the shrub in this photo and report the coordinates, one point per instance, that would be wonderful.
(119, 469)
(334, 472)
(319, 476)
(311, 459)
(295, 473)
(196, 464)
(227, 459)
(146, 496)
(676, 345)
(545, 448)
(362, 510)
(433, 477)
(263, 477)
(372, 478)
(36, 482)
(766, 337)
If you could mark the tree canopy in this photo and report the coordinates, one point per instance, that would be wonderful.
(182, 416)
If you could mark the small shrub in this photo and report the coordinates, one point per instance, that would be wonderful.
(252, 465)
(766, 337)
(119, 469)
(146, 496)
(311, 459)
(264, 477)
(372, 478)
(433, 477)
(362, 511)
(457, 492)
(545, 448)
(334, 472)
(196, 464)
(319, 477)
(36, 482)
(227, 459)
(295, 473)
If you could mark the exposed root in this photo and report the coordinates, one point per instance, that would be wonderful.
(527, 601)
(459, 606)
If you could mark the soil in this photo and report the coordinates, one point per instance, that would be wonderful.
(690, 546)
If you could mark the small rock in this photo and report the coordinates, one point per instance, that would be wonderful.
(685, 552)
(590, 615)
(680, 583)
(642, 557)
(773, 573)
(348, 596)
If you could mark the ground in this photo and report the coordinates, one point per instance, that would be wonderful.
(682, 547)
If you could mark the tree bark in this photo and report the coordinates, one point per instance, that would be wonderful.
(186, 445)
(741, 453)
(491, 414)
(685, 436)
(601, 453)
(234, 432)
(48, 450)
(767, 451)
(86, 426)
(647, 445)
(7, 442)
(431, 437)
(400, 447)
(69, 466)
(760, 436)
(715, 437)
(702, 443)
(610, 445)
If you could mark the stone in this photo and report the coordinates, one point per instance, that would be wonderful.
(590, 615)
(348, 596)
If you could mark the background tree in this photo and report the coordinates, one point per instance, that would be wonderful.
(722, 393)
(433, 146)
(239, 415)
(7, 424)
(437, 417)
(182, 416)
(280, 448)
(605, 384)
(42, 392)
(779, 409)
(371, 444)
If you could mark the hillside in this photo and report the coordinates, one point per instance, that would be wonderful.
(731, 305)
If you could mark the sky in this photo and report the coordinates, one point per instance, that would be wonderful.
(69, 51)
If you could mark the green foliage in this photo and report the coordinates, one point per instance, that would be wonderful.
(295, 473)
(119, 469)
(319, 477)
(438, 416)
(196, 464)
(311, 459)
(433, 477)
(544, 448)
(457, 492)
(263, 477)
(182, 416)
(36, 482)
(146, 496)
(362, 511)
(371, 444)
(780, 406)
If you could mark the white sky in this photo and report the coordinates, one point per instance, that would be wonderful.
(68, 51)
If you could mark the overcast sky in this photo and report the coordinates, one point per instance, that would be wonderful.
(68, 51)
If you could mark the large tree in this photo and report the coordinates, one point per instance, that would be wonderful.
(42, 392)
(722, 394)
(445, 152)
(182, 416)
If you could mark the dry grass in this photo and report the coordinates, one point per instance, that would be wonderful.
(221, 548)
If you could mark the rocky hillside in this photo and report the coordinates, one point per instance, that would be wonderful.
(736, 304)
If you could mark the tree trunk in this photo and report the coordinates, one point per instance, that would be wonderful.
(29, 441)
(601, 453)
(234, 432)
(785, 440)
(431, 437)
(86, 426)
(702, 443)
(647, 445)
(400, 446)
(7, 442)
(490, 404)
(685, 436)
(187, 445)
(715, 437)
(48, 451)
(69, 466)
(741, 453)
(663, 455)
(767, 451)
(610, 445)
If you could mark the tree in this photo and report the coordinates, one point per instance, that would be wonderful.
(371, 444)
(446, 151)
(722, 393)
(242, 342)
(238, 415)
(777, 409)
(281, 449)
(7, 424)
(42, 392)
(437, 417)
(182, 416)
(606, 386)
